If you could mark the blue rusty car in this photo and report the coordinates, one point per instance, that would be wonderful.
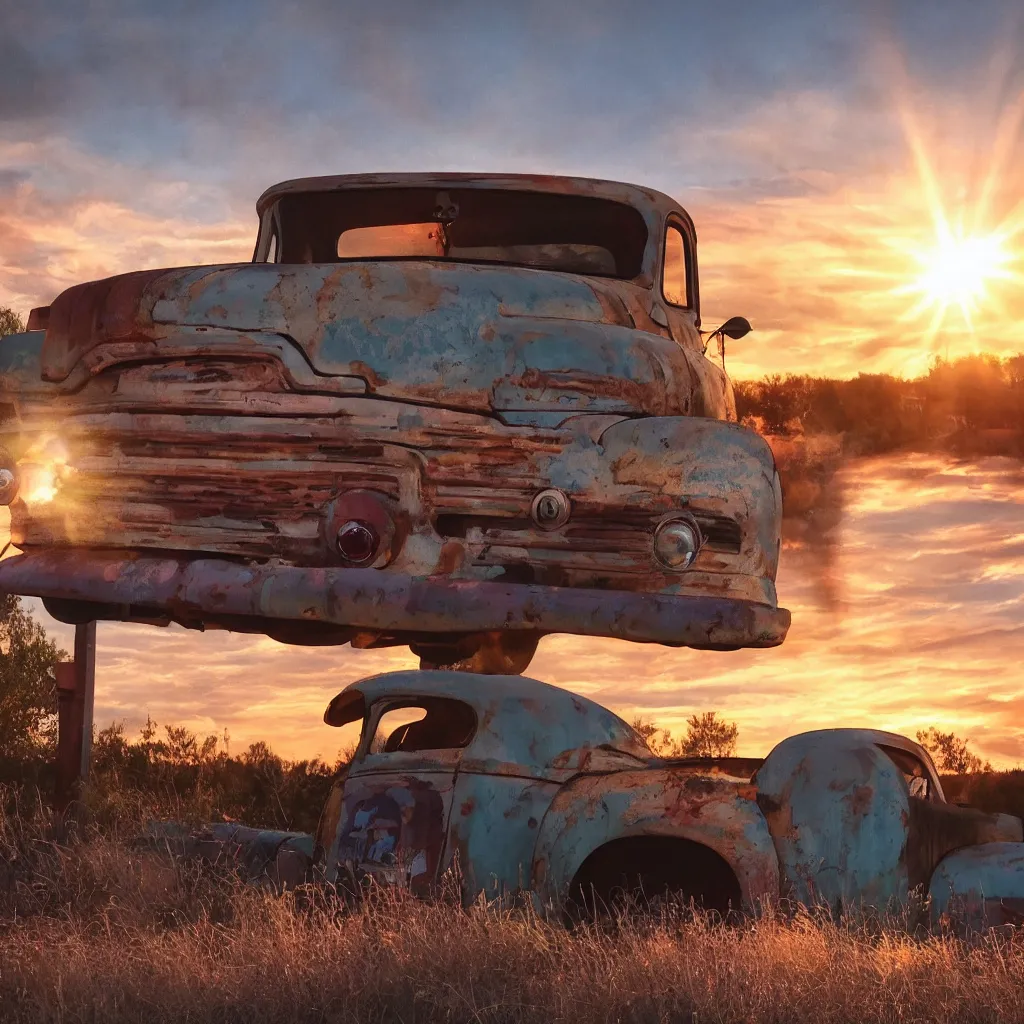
(520, 789)
(453, 411)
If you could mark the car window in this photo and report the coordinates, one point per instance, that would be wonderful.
(428, 723)
(914, 771)
(272, 248)
(675, 272)
(391, 241)
(515, 227)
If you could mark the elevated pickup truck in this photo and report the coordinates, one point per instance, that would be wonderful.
(453, 411)
(531, 791)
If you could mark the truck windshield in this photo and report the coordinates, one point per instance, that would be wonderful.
(574, 234)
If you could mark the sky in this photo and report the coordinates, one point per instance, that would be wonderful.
(838, 159)
(817, 143)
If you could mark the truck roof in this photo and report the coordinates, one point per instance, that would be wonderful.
(655, 205)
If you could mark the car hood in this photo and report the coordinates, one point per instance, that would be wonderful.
(459, 335)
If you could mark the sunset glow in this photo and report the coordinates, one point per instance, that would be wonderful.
(960, 270)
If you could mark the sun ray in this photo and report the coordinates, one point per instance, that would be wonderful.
(957, 270)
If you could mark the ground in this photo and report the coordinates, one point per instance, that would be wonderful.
(96, 930)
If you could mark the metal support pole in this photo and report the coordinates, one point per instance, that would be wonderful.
(85, 682)
(75, 691)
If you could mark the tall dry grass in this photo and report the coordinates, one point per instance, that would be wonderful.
(93, 929)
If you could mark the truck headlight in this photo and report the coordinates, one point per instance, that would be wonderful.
(676, 542)
(8, 484)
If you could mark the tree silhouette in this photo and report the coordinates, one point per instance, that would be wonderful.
(707, 735)
(950, 752)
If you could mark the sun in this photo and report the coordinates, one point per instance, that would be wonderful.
(959, 270)
(960, 266)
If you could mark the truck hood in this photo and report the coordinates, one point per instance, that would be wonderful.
(457, 335)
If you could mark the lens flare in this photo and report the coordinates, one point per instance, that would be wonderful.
(43, 469)
(959, 271)
(972, 247)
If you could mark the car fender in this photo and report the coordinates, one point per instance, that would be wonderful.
(980, 885)
(592, 810)
(838, 809)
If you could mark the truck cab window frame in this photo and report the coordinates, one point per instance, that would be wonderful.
(677, 267)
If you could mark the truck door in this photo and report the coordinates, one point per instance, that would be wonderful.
(397, 796)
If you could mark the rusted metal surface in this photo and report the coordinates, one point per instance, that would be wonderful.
(212, 592)
(269, 857)
(981, 885)
(702, 807)
(838, 810)
(535, 783)
(255, 412)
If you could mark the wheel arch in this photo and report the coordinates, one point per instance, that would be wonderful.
(592, 812)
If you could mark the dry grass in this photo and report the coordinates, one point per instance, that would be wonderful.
(97, 931)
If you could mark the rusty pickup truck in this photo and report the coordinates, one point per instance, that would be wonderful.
(522, 789)
(451, 411)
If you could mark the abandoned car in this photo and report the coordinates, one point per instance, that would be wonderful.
(452, 411)
(532, 790)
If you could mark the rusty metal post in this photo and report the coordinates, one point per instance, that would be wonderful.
(75, 689)
(85, 680)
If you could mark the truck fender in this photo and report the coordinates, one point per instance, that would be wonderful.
(593, 810)
(713, 464)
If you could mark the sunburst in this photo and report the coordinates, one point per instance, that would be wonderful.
(958, 271)
(970, 253)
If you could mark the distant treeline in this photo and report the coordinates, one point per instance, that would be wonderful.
(973, 405)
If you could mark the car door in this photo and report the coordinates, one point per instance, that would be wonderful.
(397, 795)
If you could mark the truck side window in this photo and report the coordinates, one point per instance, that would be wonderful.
(675, 273)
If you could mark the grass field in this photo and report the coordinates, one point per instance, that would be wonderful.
(93, 930)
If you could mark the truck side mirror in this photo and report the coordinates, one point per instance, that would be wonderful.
(735, 327)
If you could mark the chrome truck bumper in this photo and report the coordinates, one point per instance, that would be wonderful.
(214, 592)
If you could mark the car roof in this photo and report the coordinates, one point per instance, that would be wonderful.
(655, 205)
(519, 719)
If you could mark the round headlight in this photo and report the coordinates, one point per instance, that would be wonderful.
(358, 542)
(8, 485)
(676, 543)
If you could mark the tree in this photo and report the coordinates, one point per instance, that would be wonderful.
(659, 740)
(707, 735)
(10, 322)
(950, 753)
(28, 686)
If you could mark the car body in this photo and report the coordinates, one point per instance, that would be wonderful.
(526, 788)
(452, 411)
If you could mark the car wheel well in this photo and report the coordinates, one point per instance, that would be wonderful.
(638, 870)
